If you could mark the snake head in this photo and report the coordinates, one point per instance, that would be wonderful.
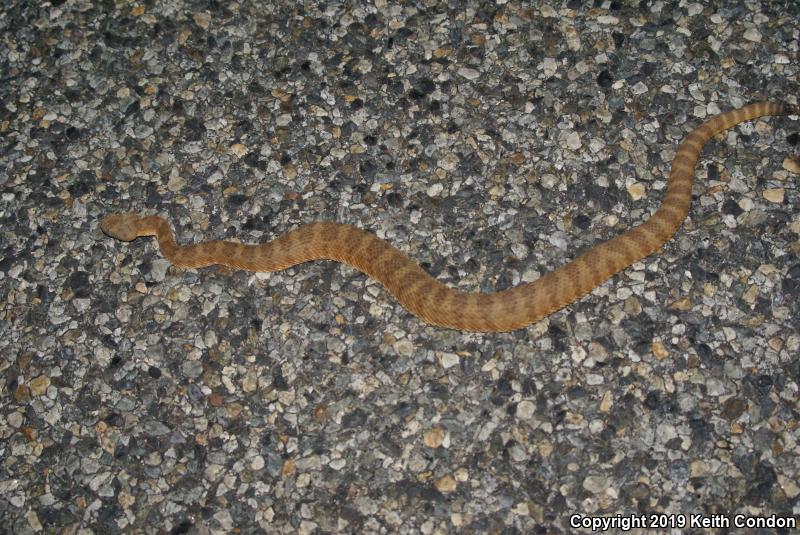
(121, 226)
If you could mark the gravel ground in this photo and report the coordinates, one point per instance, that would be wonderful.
(491, 142)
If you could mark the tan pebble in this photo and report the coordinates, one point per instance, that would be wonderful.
(789, 487)
(202, 20)
(659, 351)
(736, 428)
(750, 295)
(698, 469)
(607, 402)
(39, 385)
(774, 195)
(24, 360)
(684, 303)
(234, 410)
(176, 183)
(461, 475)
(517, 158)
(548, 12)
(183, 36)
(636, 191)
(445, 484)
(768, 269)
(443, 51)
(281, 95)
(388, 339)
(610, 220)
(289, 171)
(137, 11)
(545, 449)
(22, 394)
(632, 306)
(597, 352)
(33, 521)
(715, 189)
(478, 39)
(792, 164)
(404, 348)
(288, 467)
(709, 290)
(775, 343)
(238, 149)
(449, 162)
(536, 511)
(753, 321)
(125, 499)
(250, 381)
(320, 412)
(434, 437)
(574, 418)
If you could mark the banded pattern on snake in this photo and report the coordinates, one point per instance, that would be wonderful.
(428, 298)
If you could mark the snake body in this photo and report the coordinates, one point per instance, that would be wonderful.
(428, 298)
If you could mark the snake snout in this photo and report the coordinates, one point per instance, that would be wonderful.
(119, 226)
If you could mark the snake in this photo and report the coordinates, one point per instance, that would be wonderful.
(423, 295)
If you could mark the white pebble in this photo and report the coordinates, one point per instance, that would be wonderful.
(449, 360)
(469, 74)
(526, 410)
(573, 141)
(751, 34)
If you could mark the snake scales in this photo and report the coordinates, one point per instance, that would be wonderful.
(428, 298)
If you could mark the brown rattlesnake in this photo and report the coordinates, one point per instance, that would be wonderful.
(428, 298)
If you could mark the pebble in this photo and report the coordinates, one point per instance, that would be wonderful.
(446, 484)
(596, 484)
(449, 360)
(775, 195)
(39, 385)
(434, 437)
(751, 34)
(636, 191)
(639, 88)
(526, 410)
(202, 19)
(792, 164)
(573, 141)
(469, 74)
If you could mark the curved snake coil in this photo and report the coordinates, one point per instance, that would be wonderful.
(428, 298)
